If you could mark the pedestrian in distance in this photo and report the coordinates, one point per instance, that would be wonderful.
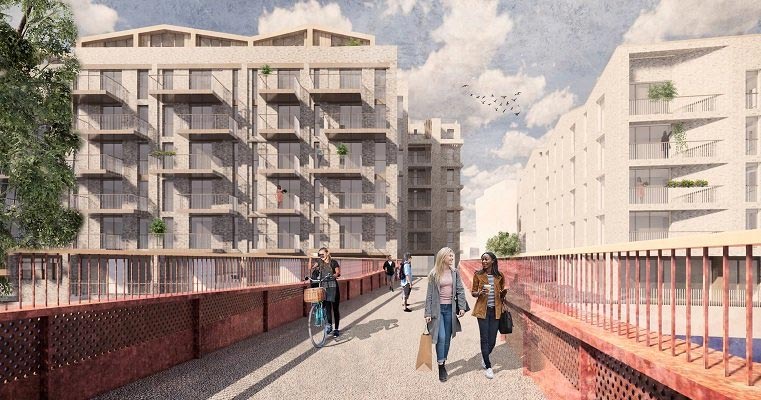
(328, 267)
(279, 196)
(489, 290)
(444, 303)
(405, 280)
(390, 267)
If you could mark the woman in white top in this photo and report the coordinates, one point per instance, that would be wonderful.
(444, 302)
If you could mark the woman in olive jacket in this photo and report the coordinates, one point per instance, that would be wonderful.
(489, 289)
(444, 302)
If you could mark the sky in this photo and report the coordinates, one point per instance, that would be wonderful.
(550, 50)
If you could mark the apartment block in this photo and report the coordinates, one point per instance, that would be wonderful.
(433, 166)
(627, 166)
(278, 144)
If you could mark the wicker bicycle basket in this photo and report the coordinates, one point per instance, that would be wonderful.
(314, 295)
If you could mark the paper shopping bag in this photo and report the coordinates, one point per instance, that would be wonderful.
(424, 354)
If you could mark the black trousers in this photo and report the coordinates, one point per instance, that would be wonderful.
(331, 309)
(488, 328)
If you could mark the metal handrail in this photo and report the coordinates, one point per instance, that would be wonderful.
(97, 122)
(191, 82)
(679, 104)
(95, 81)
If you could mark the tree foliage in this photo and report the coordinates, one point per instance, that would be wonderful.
(37, 67)
(504, 244)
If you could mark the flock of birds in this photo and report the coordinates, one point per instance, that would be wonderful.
(501, 103)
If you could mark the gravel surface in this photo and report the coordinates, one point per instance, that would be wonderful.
(374, 358)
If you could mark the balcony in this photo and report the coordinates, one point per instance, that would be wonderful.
(415, 158)
(118, 204)
(94, 88)
(357, 203)
(174, 88)
(751, 147)
(336, 165)
(114, 127)
(419, 200)
(195, 241)
(355, 125)
(272, 127)
(348, 243)
(274, 204)
(419, 225)
(208, 127)
(198, 165)
(751, 100)
(751, 193)
(282, 89)
(209, 204)
(451, 161)
(279, 243)
(689, 105)
(697, 151)
(98, 165)
(635, 236)
(700, 197)
(103, 241)
(279, 165)
(419, 180)
(337, 87)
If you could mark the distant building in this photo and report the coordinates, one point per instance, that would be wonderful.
(475, 252)
(497, 211)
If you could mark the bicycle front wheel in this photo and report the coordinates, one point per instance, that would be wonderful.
(317, 323)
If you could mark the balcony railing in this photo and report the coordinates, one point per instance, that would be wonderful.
(196, 161)
(201, 122)
(417, 180)
(751, 100)
(349, 240)
(349, 201)
(420, 199)
(205, 241)
(113, 122)
(751, 147)
(355, 120)
(666, 150)
(337, 79)
(337, 161)
(90, 81)
(419, 224)
(189, 84)
(277, 81)
(109, 202)
(667, 195)
(286, 201)
(751, 193)
(102, 241)
(680, 104)
(635, 236)
(207, 201)
(100, 162)
(281, 241)
(279, 161)
(417, 158)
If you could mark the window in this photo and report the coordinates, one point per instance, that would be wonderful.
(168, 195)
(601, 114)
(350, 78)
(452, 241)
(350, 117)
(287, 116)
(287, 78)
(451, 219)
(111, 230)
(144, 152)
(751, 136)
(647, 225)
(168, 128)
(751, 182)
(380, 116)
(351, 194)
(142, 84)
(450, 198)
(350, 232)
(448, 134)
(200, 79)
(201, 233)
(168, 239)
(751, 219)
(167, 79)
(380, 158)
(450, 176)
(380, 84)
(380, 232)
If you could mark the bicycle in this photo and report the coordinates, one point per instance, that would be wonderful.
(317, 323)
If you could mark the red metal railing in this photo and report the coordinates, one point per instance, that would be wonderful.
(640, 291)
(41, 279)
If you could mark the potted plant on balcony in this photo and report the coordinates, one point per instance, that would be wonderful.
(662, 91)
(157, 227)
(163, 153)
(266, 69)
(680, 138)
(5, 287)
(342, 150)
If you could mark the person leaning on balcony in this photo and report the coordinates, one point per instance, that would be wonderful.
(665, 143)
(444, 302)
(328, 267)
(406, 283)
(487, 283)
(639, 189)
(279, 196)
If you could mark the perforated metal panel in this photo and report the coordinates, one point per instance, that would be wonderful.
(615, 380)
(87, 334)
(558, 347)
(19, 349)
(285, 294)
(221, 306)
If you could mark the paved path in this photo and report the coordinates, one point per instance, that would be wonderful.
(378, 346)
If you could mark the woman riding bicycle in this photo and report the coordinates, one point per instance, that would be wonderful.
(328, 268)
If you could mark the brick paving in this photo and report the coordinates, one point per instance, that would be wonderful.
(374, 358)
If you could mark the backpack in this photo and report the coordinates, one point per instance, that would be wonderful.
(402, 275)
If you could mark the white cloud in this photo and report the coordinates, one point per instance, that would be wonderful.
(470, 171)
(515, 144)
(308, 12)
(513, 125)
(92, 19)
(547, 110)
(672, 19)
(396, 6)
(463, 58)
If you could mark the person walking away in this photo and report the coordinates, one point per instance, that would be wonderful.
(489, 290)
(327, 266)
(445, 292)
(405, 280)
(390, 268)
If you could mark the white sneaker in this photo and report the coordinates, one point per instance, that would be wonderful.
(489, 373)
(483, 363)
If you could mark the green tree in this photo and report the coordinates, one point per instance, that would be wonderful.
(504, 244)
(37, 67)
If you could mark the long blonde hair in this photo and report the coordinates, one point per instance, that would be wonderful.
(438, 266)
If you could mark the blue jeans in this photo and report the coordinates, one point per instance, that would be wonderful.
(444, 334)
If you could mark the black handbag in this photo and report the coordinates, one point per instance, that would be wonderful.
(505, 322)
